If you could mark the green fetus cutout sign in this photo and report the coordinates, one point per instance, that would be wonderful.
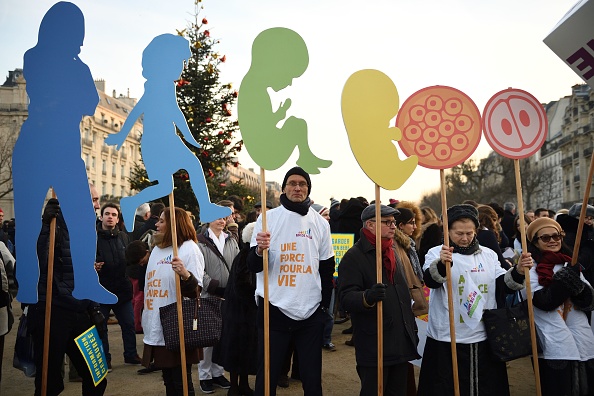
(278, 56)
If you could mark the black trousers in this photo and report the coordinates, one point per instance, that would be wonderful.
(65, 326)
(172, 378)
(395, 378)
(307, 337)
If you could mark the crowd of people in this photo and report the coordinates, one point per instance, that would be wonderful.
(224, 258)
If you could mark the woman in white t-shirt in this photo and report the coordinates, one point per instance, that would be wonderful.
(566, 363)
(160, 290)
(479, 282)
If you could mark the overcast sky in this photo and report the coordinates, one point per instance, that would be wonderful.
(479, 47)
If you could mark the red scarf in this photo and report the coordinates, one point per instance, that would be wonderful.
(544, 269)
(388, 257)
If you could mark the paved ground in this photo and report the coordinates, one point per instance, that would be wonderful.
(339, 378)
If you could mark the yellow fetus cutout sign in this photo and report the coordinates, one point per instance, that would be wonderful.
(369, 101)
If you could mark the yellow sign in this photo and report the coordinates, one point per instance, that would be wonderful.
(341, 243)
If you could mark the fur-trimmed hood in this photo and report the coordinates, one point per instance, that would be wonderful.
(418, 217)
(402, 239)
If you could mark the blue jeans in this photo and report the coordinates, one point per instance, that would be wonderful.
(329, 322)
(125, 316)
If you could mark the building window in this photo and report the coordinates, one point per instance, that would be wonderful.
(113, 169)
(123, 171)
(103, 166)
(131, 152)
(113, 190)
(94, 137)
(103, 188)
(92, 162)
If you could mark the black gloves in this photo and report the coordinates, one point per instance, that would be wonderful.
(219, 292)
(569, 277)
(375, 293)
(97, 319)
(51, 210)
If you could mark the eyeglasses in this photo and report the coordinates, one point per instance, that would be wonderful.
(555, 237)
(387, 223)
(295, 184)
(411, 222)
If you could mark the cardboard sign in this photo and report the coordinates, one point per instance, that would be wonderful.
(369, 101)
(163, 151)
(441, 125)
(47, 153)
(90, 346)
(341, 243)
(515, 123)
(279, 55)
(572, 39)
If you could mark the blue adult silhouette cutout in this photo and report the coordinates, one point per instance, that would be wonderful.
(47, 152)
(163, 151)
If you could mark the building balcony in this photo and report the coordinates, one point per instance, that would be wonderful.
(576, 179)
(114, 152)
(576, 155)
(588, 152)
(565, 140)
(105, 149)
(104, 173)
(87, 142)
(566, 161)
(124, 155)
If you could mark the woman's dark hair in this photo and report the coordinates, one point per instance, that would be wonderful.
(527, 221)
(488, 219)
(251, 217)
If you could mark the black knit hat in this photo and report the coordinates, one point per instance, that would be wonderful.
(297, 171)
(463, 211)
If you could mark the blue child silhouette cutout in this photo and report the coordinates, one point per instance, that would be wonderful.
(163, 151)
(47, 152)
(278, 56)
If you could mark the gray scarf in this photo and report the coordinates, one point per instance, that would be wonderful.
(414, 260)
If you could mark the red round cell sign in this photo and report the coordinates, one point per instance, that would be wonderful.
(515, 123)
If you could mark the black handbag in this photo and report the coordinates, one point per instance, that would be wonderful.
(508, 332)
(23, 358)
(202, 319)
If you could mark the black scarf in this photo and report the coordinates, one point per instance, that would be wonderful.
(468, 250)
(298, 207)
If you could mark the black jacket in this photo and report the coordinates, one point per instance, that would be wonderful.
(586, 253)
(63, 271)
(357, 274)
(111, 249)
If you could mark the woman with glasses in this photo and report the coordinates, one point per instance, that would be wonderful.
(562, 298)
(479, 282)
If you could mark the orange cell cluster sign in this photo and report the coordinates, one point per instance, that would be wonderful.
(441, 125)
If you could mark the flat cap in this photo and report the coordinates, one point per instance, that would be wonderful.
(369, 212)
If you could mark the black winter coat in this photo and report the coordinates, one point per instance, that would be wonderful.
(111, 250)
(238, 349)
(63, 270)
(586, 253)
(356, 274)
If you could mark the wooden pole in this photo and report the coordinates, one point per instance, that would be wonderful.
(178, 296)
(446, 242)
(380, 306)
(578, 237)
(48, 301)
(527, 275)
(266, 299)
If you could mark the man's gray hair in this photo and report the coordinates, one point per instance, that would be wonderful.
(510, 206)
(143, 209)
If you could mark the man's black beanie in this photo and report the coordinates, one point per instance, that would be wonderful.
(297, 171)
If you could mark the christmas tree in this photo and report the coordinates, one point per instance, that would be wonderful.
(206, 104)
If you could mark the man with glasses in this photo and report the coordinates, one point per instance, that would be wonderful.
(300, 271)
(360, 292)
